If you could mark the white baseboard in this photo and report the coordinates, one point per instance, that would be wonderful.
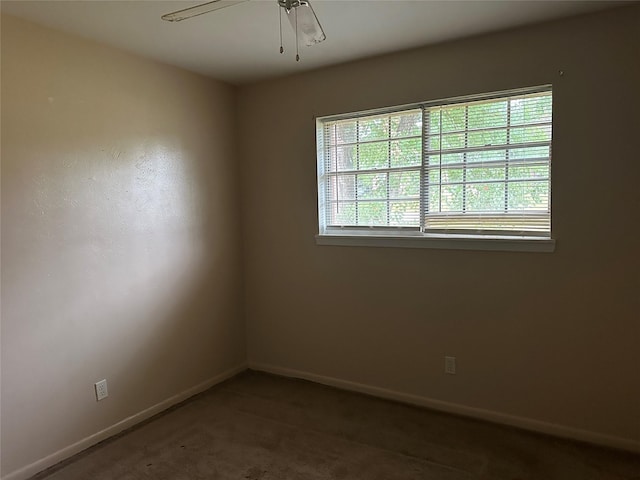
(479, 413)
(50, 460)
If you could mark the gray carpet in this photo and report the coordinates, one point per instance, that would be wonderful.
(262, 427)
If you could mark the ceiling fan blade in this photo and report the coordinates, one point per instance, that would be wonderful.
(307, 23)
(199, 10)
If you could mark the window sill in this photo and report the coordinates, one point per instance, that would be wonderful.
(447, 242)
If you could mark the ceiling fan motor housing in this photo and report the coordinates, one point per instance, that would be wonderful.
(289, 5)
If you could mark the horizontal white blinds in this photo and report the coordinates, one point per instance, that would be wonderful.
(372, 170)
(481, 166)
(487, 164)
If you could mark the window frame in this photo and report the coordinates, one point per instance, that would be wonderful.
(414, 237)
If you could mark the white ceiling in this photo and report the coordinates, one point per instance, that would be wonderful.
(240, 44)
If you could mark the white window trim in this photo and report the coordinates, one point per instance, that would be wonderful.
(449, 242)
(414, 238)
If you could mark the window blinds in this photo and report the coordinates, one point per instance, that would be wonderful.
(480, 166)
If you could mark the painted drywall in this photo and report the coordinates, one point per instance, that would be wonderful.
(550, 339)
(120, 238)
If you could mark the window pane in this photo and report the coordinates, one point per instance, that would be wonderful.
(406, 124)
(531, 110)
(450, 175)
(345, 132)
(404, 213)
(330, 159)
(487, 156)
(539, 133)
(434, 199)
(451, 198)
(453, 140)
(485, 197)
(372, 213)
(346, 157)
(528, 196)
(434, 120)
(530, 152)
(478, 174)
(404, 184)
(374, 128)
(483, 139)
(342, 187)
(447, 158)
(405, 153)
(372, 185)
(534, 171)
(487, 115)
(434, 143)
(343, 214)
(374, 155)
(453, 119)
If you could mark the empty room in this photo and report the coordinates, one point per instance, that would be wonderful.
(282, 239)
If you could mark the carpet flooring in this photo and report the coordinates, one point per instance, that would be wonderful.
(263, 427)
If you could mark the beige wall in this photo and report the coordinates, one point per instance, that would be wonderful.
(120, 237)
(546, 337)
(121, 246)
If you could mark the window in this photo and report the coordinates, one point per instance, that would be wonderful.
(463, 173)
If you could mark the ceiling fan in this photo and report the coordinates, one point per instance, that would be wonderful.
(300, 13)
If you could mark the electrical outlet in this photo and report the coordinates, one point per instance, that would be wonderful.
(450, 365)
(101, 390)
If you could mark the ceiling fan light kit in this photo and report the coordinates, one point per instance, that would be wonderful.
(301, 15)
(307, 21)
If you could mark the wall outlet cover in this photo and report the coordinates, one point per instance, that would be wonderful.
(101, 390)
(450, 365)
